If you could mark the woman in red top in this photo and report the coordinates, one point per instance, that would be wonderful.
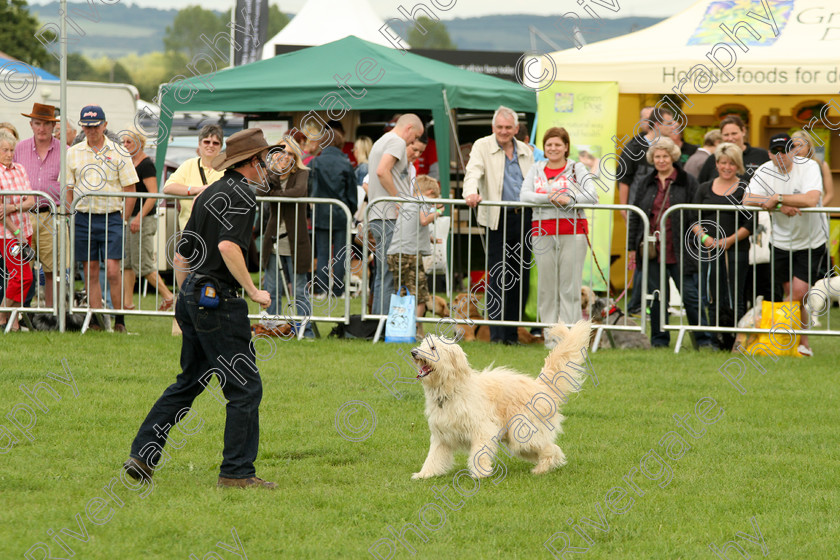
(558, 231)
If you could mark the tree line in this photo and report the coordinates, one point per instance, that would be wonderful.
(181, 42)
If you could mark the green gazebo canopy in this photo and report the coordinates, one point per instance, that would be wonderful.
(348, 74)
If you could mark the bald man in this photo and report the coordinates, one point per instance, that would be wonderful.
(389, 176)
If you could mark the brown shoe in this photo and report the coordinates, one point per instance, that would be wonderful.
(137, 469)
(252, 482)
(120, 329)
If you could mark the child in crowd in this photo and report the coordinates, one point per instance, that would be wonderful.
(413, 238)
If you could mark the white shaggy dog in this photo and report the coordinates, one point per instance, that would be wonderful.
(476, 410)
(821, 295)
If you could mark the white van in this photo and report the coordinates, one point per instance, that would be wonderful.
(19, 92)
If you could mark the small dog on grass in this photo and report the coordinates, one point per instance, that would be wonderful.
(474, 410)
(441, 307)
(587, 300)
(605, 312)
(464, 307)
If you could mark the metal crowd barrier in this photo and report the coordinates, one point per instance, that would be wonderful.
(31, 302)
(326, 309)
(80, 300)
(466, 250)
(337, 289)
(720, 319)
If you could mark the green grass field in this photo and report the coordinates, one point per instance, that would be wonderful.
(772, 456)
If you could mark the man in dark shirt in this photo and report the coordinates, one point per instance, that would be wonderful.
(214, 320)
(733, 130)
(634, 169)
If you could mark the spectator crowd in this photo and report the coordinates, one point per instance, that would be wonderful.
(706, 253)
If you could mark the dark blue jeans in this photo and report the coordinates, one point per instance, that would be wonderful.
(505, 245)
(215, 342)
(327, 244)
(723, 285)
(383, 280)
(690, 294)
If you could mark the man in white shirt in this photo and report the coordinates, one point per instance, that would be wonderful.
(786, 184)
(498, 164)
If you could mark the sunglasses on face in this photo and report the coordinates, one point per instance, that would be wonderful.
(777, 151)
(211, 142)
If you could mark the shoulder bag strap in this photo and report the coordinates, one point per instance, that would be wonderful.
(662, 208)
(201, 172)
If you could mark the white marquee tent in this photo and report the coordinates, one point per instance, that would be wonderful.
(324, 21)
(796, 51)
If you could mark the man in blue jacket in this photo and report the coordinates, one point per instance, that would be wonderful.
(331, 176)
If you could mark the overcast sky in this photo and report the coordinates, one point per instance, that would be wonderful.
(462, 8)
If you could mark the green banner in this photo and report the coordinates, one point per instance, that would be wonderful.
(589, 112)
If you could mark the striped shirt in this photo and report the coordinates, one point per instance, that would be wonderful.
(43, 173)
(89, 172)
(14, 178)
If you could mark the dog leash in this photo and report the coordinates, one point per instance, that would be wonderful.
(601, 272)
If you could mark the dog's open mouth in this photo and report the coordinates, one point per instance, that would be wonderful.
(424, 370)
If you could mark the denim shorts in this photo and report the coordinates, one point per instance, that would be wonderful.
(91, 230)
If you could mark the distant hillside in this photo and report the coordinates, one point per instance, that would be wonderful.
(122, 28)
(126, 28)
(510, 32)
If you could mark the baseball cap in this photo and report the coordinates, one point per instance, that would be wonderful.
(92, 115)
(779, 143)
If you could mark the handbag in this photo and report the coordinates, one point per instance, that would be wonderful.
(776, 314)
(653, 246)
(401, 325)
(760, 239)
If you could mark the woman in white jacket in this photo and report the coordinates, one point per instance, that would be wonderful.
(559, 231)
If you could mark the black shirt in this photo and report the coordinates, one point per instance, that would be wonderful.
(225, 211)
(633, 168)
(753, 158)
(145, 169)
(727, 221)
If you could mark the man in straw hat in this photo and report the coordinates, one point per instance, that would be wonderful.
(214, 320)
(40, 155)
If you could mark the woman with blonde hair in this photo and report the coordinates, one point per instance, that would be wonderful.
(285, 241)
(805, 148)
(142, 225)
(361, 150)
(725, 236)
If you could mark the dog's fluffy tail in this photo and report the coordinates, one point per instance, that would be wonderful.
(569, 349)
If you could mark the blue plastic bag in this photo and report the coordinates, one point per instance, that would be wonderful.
(401, 325)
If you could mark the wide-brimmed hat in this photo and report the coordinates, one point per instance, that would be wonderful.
(42, 112)
(92, 115)
(241, 146)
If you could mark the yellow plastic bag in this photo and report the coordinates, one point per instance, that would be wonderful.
(784, 316)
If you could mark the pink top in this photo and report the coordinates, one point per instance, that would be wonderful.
(43, 173)
(14, 178)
